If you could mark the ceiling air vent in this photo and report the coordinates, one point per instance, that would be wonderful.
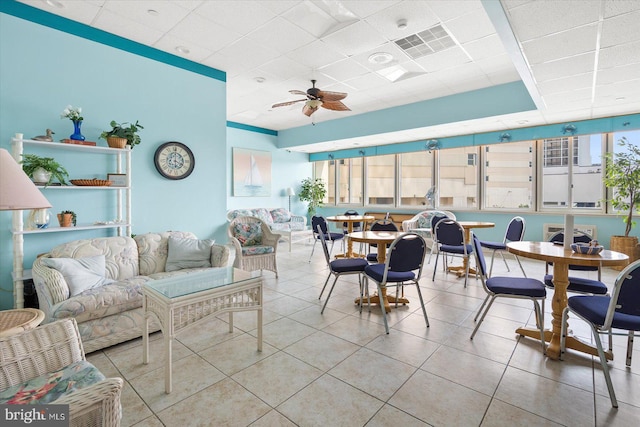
(431, 40)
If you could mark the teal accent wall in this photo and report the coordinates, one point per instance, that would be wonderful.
(42, 70)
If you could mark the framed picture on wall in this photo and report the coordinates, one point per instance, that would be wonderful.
(251, 173)
(117, 179)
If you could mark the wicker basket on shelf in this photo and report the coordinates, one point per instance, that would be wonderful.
(115, 142)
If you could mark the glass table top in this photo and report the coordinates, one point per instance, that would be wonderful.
(186, 284)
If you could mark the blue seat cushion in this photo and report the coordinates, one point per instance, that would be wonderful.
(594, 309)
(332, 236)
(517, 286)
(376, 272)
(453, 249)
(372, 257)
(345, 265)
(493, 245)
(580, 284)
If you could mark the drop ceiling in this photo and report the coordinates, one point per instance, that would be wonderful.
(578, 59)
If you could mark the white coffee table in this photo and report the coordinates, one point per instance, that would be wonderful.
(184, 300)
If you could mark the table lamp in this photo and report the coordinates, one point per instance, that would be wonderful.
(17, 191)
(290, 193)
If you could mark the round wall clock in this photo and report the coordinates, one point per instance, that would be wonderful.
(174, 160)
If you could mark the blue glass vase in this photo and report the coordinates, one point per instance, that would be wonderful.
(77, 135)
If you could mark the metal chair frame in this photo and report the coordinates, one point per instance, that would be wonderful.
(514, 233)
(324, 226)
(449, 233)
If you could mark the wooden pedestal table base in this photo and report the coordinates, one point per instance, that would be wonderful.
(460, 270)
(350, 220)
(561, 259)
(382, 239)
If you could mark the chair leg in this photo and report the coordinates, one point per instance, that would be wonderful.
(329, 295)
(540, 322)
(563, 332)
(505, 261)
(325, 285)
(424, 310)
(605, 367)
(313, 248)
(466, 272)
(493, 254)
(481, 307)
(629, 348)
(493, 297)
(384, 312)
(435, 268)
(520, 264)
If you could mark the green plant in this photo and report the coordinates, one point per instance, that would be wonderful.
(120, 130)
(31, 162)
(73, 216)
(622, 175)
(312, 191)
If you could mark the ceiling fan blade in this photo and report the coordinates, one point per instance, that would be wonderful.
(335, 106)
(284, 104)
(331, 96)
(308, 110)
(298, 92)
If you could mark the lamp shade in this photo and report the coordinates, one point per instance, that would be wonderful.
(290, 192)
(17, 191)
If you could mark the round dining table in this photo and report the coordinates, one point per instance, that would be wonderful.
(382, 239)
(561, 259)
(460, 270)
(350, 220)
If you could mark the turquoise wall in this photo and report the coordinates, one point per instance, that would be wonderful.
(42, 70)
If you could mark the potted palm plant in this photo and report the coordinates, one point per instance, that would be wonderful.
(622, 177)
(43, 169)
(312, 191)
(121, 134)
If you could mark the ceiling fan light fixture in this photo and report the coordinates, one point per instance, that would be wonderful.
(183, 50)
(380, 58)
(153, 12)
(314, 103)
(55, 3)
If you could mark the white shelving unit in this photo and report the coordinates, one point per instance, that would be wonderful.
(122, 223)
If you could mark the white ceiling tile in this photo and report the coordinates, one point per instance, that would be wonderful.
(450, 9)
(242, 17)
(617, 7)
(249, 53)
(284, 67)
(354, 39)
(343, 70)
(364, 9)
(198, 31)
(367, 81)
(279, 6)
(485, 47)
(168, 43)
(620, 55)
(311, 18)
(418, 17)
(315, 55)
(471, 26)
(281, 35)
(167, 16)
(579, 96)
(618, 74)
(566, 84)
(617, 30)
(564, 67)
(561, 45)
(124, 27)
(449, 58)
(542, 17)
(84, 12)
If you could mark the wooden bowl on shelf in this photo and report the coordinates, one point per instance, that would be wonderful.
(91, 182)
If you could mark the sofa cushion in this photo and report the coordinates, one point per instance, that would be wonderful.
(280, 215)
(239, 212)
(248, 234)
(153, 249)
(114, 298)
(264, 215)
(257, 250)
(188, 253)
(424, 220)
(80, 273)
(121, 254)
(52, 386)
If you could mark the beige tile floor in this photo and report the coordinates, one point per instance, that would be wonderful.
(341, 369)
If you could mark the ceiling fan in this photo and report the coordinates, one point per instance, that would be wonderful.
(316, 98)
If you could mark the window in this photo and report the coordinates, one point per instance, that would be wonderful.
(576, 184)
(508, 175)
(326, 170)
(457, 180)
(381, 180)
(350, 180)
(416, 178)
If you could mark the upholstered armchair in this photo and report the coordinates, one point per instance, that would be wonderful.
(255, 244)
(47, 365)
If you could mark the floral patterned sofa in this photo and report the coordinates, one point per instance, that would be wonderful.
(110, 312)
(279, 220)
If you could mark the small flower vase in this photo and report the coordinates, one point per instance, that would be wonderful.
(77, 135)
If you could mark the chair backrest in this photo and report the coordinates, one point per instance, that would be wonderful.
(437, 217)
(515, 230)
(383, 225)
(320, 234)
(319, 221)
(355, 224)
(449, 232)
(578, 237)
(406, 253)
(481, 264)
(625, 297)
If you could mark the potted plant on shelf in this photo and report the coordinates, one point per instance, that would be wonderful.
(43, 169)
(622, 177)
(312, 191)
(67, 218)
(121, 134)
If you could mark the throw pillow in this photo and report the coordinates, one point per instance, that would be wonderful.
(248, 234)
(281, 215)
(188, 253)
(424, 220)
(80, 274)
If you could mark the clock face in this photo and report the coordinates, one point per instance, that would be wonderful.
(174, 160)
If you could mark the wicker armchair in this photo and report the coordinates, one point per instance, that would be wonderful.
(256, 245)
(50, 348)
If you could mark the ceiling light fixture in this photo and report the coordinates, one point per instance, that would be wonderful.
(402, 24)
(314, 103)
(380, 58)
(153, 12)
(259, 79)
(183, 50)
(55, 3)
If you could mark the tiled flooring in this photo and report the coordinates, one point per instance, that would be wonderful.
(341, 369)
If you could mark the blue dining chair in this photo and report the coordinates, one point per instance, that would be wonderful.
(508, 287)
(603, 313)
(319, 226)
(514, 233)
(404, 262)
(449, 238)
(341, 267)
(379, 225)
